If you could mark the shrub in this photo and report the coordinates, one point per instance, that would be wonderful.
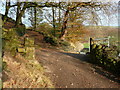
(10, 41)
(4, 65)
(20, 30)
(52, 40)
(64, 43)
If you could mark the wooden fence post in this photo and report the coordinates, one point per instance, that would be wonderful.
(90, 44)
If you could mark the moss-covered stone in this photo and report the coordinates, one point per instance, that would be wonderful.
(29, 42)
(94, 46)
(107, 48)
(30, 53)
(10, 41)
(105, 56)
(21, 50)
(99, 47)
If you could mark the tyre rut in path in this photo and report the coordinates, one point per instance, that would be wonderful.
(68, 70)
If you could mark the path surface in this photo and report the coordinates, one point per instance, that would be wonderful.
(68, 70)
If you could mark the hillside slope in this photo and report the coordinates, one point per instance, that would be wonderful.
(19, 72)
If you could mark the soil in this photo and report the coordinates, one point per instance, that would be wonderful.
(69, 70)
(65, 70)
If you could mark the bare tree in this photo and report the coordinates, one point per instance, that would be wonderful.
(91, 8)
(6, 10)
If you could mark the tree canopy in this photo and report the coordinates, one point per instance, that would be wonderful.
(61, 15)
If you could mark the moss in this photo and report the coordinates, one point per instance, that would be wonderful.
(94, 46)
(20, 30)
(10, 41)
(21, 50)
(105, 56)
(52, 40)
(4, 65)
(99, 47)
(29, 42)
(30, 53)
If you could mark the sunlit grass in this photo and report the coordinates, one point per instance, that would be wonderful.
(86, 45)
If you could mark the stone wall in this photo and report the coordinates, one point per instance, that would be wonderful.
(28, 50)
(106, 56)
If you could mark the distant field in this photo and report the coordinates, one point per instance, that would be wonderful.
(86, 45)
(100, 32)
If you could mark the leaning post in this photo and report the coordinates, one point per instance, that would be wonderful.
(90, 44)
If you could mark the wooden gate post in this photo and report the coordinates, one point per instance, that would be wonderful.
(90, 44)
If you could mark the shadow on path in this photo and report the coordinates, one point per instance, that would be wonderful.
(107, 74)
(82, 57)
(85, 58)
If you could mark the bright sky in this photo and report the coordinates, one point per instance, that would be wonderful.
(106, 21)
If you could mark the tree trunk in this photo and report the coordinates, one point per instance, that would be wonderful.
(35, 18)
(6, 11)
(64, 26)
(59, 15)
(53, 11)
(20, 14)
(17, 14)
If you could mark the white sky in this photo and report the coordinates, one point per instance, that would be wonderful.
(113, 21)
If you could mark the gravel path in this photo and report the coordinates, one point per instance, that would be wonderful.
(67, 70)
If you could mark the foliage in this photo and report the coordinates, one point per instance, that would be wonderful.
(10, 40)
(48, 33)
(76, 34)
(36, 16)
(4, 65)
(64, 43)
(44, 28)
(20, 30)
(52, 40)
(75, 13)
(49, 37)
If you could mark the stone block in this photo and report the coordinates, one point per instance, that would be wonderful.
(29, 42)
(30, 53)
(21, 50)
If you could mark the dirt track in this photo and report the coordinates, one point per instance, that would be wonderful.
(67, 70)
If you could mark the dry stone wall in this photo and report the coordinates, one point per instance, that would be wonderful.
(28, 50)
(106, 56)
